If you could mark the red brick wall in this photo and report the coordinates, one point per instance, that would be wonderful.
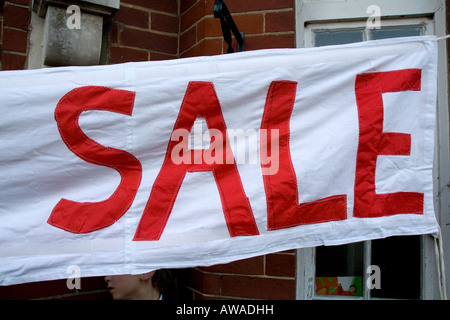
(14, 30)
(266, 24)
(93, 288)
(157, 30)
(271, 276)
(144, 30)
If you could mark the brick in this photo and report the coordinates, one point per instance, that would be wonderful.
(164, 23)
(209, 27)
(258, 5)
(193, 15)
(156, 56)
(91, 288)
(15, 40)
(113, 33)
(132, 17)
(186, 4)
(17, 17)
(282, 265)
(120, 55)
(169, 6)
(34, 289)
(149, 40)
(188, 39)
(257, 288)
(251, 266)
(92, 284)
(269, 42)
(203, 282)
(207, 47)
(280, 21)
(250, 23)
(11, 61)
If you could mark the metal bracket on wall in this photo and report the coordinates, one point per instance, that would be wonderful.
(227, 24)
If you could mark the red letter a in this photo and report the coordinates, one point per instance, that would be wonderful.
(85, 217)
(200, 100)
(283, 208)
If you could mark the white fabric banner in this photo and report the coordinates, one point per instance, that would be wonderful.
(127, 168)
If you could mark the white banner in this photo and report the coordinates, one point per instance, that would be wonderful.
(127, 168)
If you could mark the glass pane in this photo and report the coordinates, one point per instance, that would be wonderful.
(339, 270)
(376, 34)
(399, 261)
(326, 38)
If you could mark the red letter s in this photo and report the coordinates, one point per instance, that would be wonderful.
(78, 217)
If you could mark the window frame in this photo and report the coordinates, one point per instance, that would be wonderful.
(311, 14)
(424, 23)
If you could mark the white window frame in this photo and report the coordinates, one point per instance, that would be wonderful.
(312, 14)
(425, 24)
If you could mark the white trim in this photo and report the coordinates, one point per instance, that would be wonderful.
(425, 24)
(308, 11)
(442, 189)
(305, 268)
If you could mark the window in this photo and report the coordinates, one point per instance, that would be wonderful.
(323, 34)
(398, 260)
(405, 265)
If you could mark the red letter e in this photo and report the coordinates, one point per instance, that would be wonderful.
(369, 88)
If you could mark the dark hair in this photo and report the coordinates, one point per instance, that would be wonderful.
(166, 282)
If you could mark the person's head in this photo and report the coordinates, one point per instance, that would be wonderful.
(145, 286)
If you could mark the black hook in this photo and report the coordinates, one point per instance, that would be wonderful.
(227, 24)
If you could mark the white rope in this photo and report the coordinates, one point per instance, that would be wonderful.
(442, 38)
(441, 255)
(440, 265)
(438, 247)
